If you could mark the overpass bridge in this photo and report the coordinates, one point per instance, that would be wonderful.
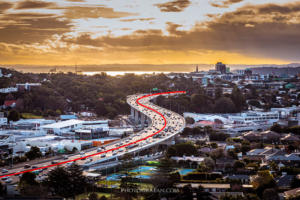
(163, 126)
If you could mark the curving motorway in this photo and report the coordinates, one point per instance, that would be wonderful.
(164, 124)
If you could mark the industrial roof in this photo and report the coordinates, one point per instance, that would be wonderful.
(63, 124)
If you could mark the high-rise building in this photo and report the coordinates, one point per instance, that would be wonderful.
(220, 67)
(248, 72)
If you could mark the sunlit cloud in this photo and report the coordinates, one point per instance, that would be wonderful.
(158, 31)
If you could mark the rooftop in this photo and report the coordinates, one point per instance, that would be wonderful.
(63, 124)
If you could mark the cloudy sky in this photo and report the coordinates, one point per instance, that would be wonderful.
(65, 32)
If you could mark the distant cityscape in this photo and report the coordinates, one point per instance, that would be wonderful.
(121, 69)
(227, 134)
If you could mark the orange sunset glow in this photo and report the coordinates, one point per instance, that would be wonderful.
(157, 32)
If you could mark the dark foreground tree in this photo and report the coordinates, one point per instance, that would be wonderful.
(67, 182)
(93, 196)
(29, 186)
(13, 115)
(33, 153)
(163, 180)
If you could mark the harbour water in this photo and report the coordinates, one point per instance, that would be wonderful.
(118, 73)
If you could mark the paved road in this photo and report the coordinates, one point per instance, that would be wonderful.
(164, 125)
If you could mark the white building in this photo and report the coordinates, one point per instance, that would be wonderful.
(31, 123)
(205, 117)
(3, 121)
(256, 117)
(286, 112)
(235, 124)
(22, 134)
(27, 86)
(56, 143)
(118, 132)
(8, 90)
(7, 139)
(96, 124)
(61, 127)
(87, 114)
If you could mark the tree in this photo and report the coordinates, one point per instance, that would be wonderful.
(270, 194)
(218, 92)
(59, 181)
(254, 103)
(28, 185)
(231, 153)
(276, 128)
(262, 181)
(175, 177)
(219, 136)
(13, 115)
(67, 182)
(201, 103)
(33, 153)
(245, 146)
(189, 120)
(93, 196)
(78, 182)
(238, 99)
(209, 163)
(28, 178)
(217, 153)
(103, 198)
(100, 109)
(225, 105)
(163, 179)
(187, 149)
(202, 195)
(128, 190)
(238, 165)
(2, 190)
(295, 182)
(214, 145)
(187, 192)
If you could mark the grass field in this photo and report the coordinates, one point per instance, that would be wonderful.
(30, 116)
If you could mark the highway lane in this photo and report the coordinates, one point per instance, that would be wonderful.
(164, 123)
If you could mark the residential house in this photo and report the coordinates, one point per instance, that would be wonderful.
(9, 104)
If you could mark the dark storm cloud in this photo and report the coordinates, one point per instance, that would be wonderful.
(174, 6)
(5, 6)
(249, 30)
(224, 3)
(27, 28)
(34, 4)
(271, 8)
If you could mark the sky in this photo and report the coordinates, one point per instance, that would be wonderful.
(84, 32)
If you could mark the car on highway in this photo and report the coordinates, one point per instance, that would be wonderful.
(26, 166)
(8, 180)
(4, 171)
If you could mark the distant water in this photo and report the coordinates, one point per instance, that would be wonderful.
(116, 73)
